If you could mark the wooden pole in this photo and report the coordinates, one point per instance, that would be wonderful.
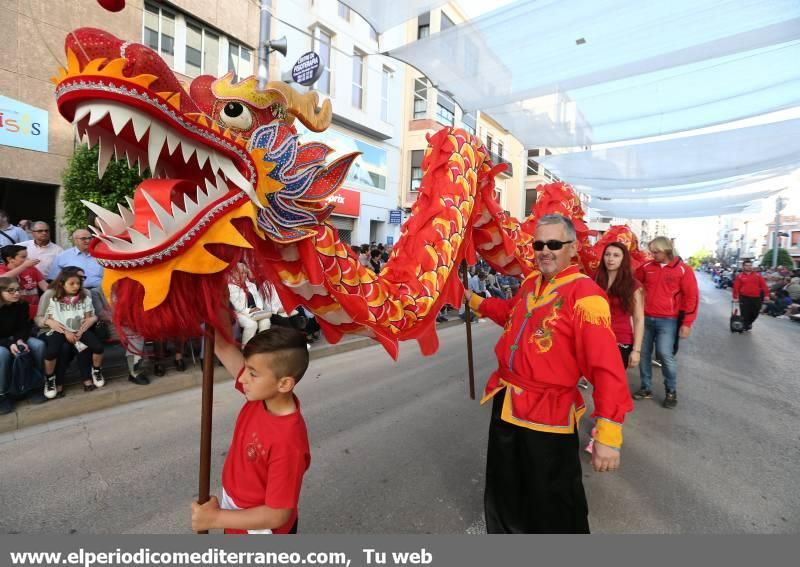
(468, 321)
(205, 417)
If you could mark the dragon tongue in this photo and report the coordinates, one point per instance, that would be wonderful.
(153, 200)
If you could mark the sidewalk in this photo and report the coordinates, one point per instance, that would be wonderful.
(118, 390)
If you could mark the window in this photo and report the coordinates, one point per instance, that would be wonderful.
(240, 61)
(385, 83)
(500, 150)
(159, 32)
(344, 11)
(446, 22)
(489, 142)
(323, 42)
(416, 169)
(444, 115)
(202, 51)
(424, 25)
(795, 239)
(445, 110)
(468, 123)
(420, 98)
(358, 79)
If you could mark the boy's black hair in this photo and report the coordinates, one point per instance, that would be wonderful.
(288, 348)
(10, 251)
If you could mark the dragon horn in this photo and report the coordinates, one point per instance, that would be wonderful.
(305, 106)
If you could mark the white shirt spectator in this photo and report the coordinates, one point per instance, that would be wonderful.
(45, 254)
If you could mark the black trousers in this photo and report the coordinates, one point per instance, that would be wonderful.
(751, 307)
(55, 341)
(533, 480)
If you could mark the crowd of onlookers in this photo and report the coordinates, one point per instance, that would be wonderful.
(52, 310)
(783, 284)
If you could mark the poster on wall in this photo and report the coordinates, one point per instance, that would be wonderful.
(22, 125)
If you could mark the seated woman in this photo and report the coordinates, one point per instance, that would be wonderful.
(15, 330)
(252, 314)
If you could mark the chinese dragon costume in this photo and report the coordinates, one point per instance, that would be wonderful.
(232, 182)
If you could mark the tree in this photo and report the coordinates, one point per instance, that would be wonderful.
(784, 259)
(697, 259)
(81, 182)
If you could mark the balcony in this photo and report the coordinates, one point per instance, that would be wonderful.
(497, 160)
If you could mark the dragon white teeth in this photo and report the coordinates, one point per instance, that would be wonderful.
(114, 223)
(140, 125)
(238, 179)
(126, 214)
(138, 240)
(155, 143)
(81, 112)
(187, 150)
(99, 111)
(119, 119)
(157, 235)
(172, 142)
(202, 157)
(104, 155)
(188, 204)
(164, 218)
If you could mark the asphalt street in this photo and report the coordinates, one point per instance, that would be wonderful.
(398, 447)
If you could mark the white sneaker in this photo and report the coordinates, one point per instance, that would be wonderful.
(50, 391)
(97, 378)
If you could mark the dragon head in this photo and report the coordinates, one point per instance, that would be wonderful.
(226, 167)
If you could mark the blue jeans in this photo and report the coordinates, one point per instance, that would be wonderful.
(6, 359)
(660, 331)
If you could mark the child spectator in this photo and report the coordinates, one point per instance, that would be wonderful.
(30, 279)
(15, 330)
(69, 316)
(269, 452)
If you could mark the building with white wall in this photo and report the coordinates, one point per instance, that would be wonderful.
(365, 90)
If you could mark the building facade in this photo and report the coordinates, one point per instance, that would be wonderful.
(194, 36)
(365, 91)
(427, 110)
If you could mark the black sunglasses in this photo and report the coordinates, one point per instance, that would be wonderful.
(539, 245)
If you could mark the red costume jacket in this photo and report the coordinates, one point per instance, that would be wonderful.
(750, 284)
(555, 332)
(668, 290)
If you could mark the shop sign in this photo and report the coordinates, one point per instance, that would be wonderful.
(22, 125)
(308, 69)
(396, 216)
(346, 202)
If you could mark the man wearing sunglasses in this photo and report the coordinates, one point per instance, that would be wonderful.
(557, 329)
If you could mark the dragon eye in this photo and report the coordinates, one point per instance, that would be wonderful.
(236, 115)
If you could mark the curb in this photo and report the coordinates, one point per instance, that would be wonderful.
(119, 391)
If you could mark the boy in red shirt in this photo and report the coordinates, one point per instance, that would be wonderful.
(269, 451)
(30, 279)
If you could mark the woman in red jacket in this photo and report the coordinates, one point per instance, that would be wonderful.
(670, 289)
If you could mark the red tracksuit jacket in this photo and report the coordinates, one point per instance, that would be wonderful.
(749, 284)
(668, 290)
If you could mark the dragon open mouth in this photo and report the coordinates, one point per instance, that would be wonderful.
(123, 98)
(201, 179)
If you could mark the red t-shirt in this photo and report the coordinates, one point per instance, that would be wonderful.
(267, 459)
(29, 287)
(621, 320)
